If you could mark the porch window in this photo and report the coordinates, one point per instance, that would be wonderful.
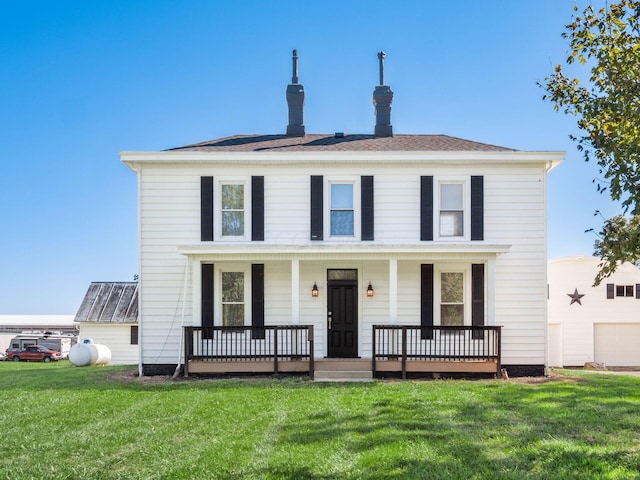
(342, 274)
(342, 209)
(232, 210)
(233, 299)
(451, 210)
(451, 298)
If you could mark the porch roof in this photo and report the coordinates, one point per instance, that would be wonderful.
(249, 252)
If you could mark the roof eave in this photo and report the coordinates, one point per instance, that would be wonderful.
(133, 159)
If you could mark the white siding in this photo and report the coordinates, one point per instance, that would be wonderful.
(578, 320)
(514, 215)
(555, 345)
(115, 336)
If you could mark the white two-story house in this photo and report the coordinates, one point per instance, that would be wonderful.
(280, 252)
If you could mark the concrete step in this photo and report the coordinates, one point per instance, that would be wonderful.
(342, 376)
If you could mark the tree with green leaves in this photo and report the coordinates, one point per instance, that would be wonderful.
(607, 108)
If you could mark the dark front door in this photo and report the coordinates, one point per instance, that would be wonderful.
(342, 314)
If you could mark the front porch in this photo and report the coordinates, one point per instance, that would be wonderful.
(398, 349)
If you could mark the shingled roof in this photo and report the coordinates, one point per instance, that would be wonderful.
(110, 302)
(340, 143)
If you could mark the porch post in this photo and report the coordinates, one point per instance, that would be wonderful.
(295, 291)
(490, 298)
(393, 291)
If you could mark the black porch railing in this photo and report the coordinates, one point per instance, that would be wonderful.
(247, 344)
(457, 344)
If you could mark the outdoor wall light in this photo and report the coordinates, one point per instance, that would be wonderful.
(314, 290)
(369, 290)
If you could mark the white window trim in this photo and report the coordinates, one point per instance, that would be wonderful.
(465, 269)
(357, 209)
(218, 209)
(465, 181)
(217, 287)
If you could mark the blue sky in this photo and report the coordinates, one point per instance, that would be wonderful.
(82, 80)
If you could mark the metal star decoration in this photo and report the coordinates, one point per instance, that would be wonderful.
(575, 297)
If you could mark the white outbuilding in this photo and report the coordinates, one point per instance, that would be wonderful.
(108, 316)
(593, 324)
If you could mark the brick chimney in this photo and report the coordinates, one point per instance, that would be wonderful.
(295, 101)
(382, 98)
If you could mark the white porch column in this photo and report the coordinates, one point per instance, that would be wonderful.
(295, 291)
(491, 291)
(393, 291)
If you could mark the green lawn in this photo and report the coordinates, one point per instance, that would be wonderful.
(65, 422)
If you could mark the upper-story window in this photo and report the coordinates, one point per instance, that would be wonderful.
(451, 210)
(342, 211)
(624, 290)
(232, 209)
(342, 208)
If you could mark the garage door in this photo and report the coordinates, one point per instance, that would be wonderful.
(617, 344)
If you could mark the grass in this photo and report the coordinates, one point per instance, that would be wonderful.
(97, 423)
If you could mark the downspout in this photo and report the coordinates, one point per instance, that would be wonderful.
(184, 304)
(138, 172)
(546, 278)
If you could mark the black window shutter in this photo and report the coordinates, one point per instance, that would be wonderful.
(477, 208)
(366, 194)
(477, 299)
(637, 290)
(207, 300)
(257, 300)
(316, 207)
(257, 209)
(134, 335)
(610, 290)
(426, 300)
(426, 208)
(206, 209)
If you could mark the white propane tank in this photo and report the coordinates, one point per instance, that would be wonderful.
(89, 353)
(103, 354)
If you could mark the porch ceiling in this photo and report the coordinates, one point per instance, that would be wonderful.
(448, 251)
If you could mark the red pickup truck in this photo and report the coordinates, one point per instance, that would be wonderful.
(34, 353)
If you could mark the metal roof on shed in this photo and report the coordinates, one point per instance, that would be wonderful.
(110, 302)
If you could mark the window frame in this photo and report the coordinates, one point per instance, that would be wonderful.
(465, 181)
(354, 181)
(439, 269)
(246, 184)
(624, 290)
(218, 297)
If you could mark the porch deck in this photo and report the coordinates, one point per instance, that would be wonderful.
(436, 349)
(290, 349)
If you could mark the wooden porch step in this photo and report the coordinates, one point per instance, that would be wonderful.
(343, 364)
(343, 376)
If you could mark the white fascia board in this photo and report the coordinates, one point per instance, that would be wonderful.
(550, 159)
(348, 252)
